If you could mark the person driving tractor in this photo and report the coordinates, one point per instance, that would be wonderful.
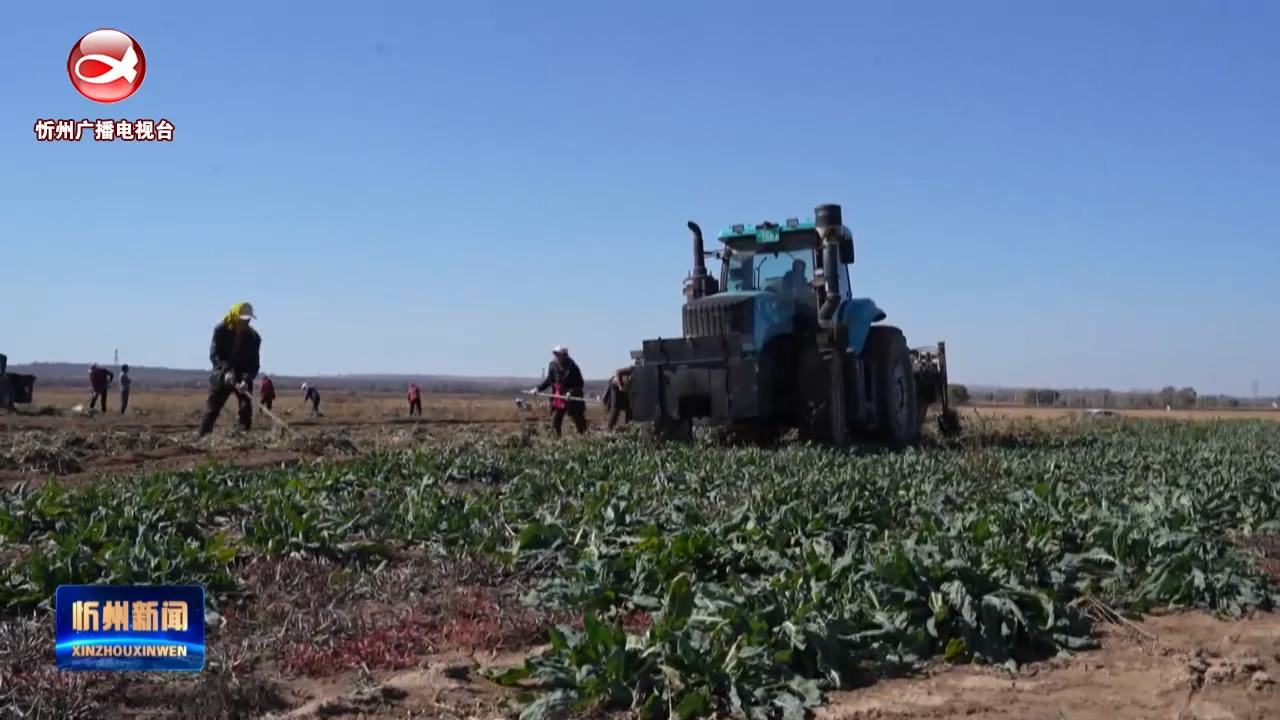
(795, 279)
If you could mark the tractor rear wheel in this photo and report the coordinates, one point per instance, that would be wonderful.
(669, 430)
(897, 409)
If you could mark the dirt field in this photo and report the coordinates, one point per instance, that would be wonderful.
(466, 615)
(158, 432)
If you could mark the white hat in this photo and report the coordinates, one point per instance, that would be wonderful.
(560, 350)
(304, 386)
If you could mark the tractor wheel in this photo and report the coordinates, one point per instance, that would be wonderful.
(949, 423)
(758, 433)
(668, 430)
(897, 409)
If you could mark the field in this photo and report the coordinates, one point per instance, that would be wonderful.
(468, 565)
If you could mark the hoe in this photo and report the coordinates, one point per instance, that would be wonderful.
(780, 342)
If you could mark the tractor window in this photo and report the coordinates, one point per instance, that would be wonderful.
(786, 272)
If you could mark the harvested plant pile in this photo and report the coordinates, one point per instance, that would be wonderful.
(770, 576)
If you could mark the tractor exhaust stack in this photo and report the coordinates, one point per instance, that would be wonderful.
(829, 222)
(700, 284)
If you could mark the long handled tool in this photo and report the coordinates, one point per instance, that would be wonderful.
(264, 409)
(553, 396)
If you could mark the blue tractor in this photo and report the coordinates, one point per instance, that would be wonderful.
(779, 342)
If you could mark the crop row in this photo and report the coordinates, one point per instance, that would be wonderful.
(771, 576)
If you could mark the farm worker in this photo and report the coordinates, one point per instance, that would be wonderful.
(312, 395)
(125, 382)
(234, 353)
(617, 397)
(565, 380)
(267, 391)
(6, 395)
(415, 400)
(99, 380)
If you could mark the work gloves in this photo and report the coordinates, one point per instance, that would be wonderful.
(229, 379)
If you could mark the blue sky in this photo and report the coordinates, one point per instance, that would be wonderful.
(1068, 193)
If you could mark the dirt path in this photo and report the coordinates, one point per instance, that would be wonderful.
(1181, 667)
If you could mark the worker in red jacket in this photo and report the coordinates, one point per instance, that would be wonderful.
(267, 392)
(99, 380)
(415, 400)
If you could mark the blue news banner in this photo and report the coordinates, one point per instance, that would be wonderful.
(130, 627)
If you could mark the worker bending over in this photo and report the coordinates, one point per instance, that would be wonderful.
(99, 380)
(312, 395)
(415, 400)
(565, 380)
(618, 396)
(234, 353)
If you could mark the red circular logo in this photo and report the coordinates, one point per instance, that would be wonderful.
(106, 66)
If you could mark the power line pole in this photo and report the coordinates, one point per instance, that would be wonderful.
(117, 357)
(1255, 392)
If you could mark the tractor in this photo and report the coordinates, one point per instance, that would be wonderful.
(779, 342)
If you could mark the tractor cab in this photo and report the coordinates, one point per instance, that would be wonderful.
(783, 259)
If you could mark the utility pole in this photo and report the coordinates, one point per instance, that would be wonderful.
(1255, 392)
(117, 357)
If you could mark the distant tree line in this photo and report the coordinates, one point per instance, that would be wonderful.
(1185, 398)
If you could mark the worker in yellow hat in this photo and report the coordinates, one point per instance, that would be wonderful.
(234, 353)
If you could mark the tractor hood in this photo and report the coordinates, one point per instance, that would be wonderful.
(759, 314)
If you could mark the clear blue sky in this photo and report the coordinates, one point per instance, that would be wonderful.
(1069, 193)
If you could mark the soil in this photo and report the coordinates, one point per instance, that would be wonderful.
(77, 449)
(1180, 667)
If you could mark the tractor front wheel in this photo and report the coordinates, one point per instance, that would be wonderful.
(897, 410)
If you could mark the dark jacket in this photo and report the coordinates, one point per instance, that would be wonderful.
(100, 378)
(239, 355)
(568, 377)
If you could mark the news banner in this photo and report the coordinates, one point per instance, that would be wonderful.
(130, 628)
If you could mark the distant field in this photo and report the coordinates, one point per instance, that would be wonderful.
(1043, 412)
(348, 406)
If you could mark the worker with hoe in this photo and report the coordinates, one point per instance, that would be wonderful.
(415, 400)
(235, 355)
(99, 380)
(618, 396)
(312, 395)
(566, 383)
(267, 392)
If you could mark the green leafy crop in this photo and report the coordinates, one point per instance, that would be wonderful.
(769, 577)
